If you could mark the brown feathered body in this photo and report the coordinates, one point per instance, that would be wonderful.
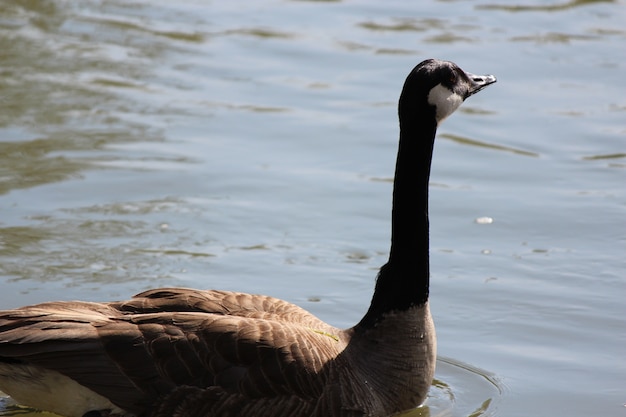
(179, 352)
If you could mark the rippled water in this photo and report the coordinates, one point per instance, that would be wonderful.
(250, 146)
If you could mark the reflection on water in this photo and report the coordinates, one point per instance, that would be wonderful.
(541, 7)
(474, 142)
(61, 248)
(59, 105)
(70, 82)
(449, 395)
(54, 156)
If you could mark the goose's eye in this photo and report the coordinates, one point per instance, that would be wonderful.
(452, 79)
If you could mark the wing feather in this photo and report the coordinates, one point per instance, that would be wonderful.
(135, 351)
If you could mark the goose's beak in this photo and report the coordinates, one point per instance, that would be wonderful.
(478, 82)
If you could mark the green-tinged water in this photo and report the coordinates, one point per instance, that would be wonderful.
(250, 146)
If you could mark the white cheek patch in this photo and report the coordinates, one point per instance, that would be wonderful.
(445, 101)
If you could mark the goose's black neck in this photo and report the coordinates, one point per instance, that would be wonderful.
(403, 281)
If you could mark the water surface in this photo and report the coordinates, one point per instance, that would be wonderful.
(250, 146)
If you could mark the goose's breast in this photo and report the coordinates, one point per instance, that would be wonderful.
(46, 389)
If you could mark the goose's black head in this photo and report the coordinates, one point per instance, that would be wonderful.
(438, 88)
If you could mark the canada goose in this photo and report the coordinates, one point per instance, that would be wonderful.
(175, 352)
